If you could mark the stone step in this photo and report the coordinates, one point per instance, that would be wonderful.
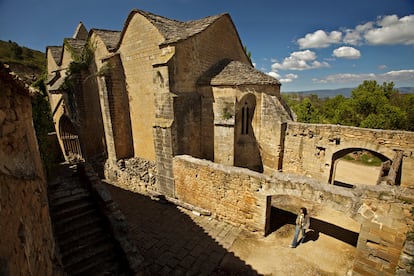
(91, 255)
(75, 229)
(64, 211)
(87, 232)
(79, 218)
(83, 244)
(66, 191)
(105, 265)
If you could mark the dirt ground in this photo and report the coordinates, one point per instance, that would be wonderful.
(353, 173)
(330, 244)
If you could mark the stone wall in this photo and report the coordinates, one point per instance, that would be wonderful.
(139, 50)
(116, 113)
(230, 193)
(27, 246)
(242, 197)
(309, 148)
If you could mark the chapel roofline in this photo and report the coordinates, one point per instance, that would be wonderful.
(110, 38)
(235, 73)
(56, 53)
(172, 30)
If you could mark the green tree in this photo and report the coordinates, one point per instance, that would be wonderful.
(307, 112)
(17, 51)
(372, 105)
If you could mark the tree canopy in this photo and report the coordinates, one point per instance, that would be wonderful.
(371, 105)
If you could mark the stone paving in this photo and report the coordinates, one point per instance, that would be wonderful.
(175, 241)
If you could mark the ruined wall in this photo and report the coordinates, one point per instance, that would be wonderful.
(241, 197)
(309, 148)
(228, 192)
(27, 245)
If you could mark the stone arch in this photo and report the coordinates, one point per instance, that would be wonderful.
(69, 138)
(246, 148)
(336, 156)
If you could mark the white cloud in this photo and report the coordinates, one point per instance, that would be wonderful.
(387, 30)
(274, 74)
(319, 39)
(392, 31)
(301, 60)
(346, 52)
(382, 67)
(399, 75)
(286, 78)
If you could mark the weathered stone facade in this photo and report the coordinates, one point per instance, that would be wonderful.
(25, 221)
(161, 88)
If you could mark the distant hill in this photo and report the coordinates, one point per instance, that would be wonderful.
(29, 64)
(346, 92)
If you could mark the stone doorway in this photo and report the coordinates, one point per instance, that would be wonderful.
(353, 166)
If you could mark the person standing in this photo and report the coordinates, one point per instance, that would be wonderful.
(302, 224)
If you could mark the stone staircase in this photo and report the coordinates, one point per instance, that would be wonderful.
(81, 231)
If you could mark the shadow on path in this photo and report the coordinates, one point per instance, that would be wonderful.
(281, 217)
(171, 242)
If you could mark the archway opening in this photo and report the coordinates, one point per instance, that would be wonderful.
(70, 138)
(354, 166)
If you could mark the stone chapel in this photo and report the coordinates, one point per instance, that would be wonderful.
(161, 88)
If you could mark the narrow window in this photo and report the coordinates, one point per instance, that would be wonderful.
(245, 120)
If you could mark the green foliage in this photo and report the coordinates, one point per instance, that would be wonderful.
(43, 123)
(248, 53)
(81, 59)
(11, 52)
(307, 112)
(371, 106)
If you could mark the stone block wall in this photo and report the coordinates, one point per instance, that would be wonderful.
(139, 51)
(309, 148)
(195, 55)
(187, 121)
(90, 116)
(229, 193)
(27, 246)
(117, 120)
(26, 241)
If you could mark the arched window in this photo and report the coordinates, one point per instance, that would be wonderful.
(245, 119)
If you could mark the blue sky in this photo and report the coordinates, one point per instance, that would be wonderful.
(318, 44)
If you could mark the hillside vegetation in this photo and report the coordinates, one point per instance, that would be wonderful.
(371, 105)
(29, 64)
(11, 52)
